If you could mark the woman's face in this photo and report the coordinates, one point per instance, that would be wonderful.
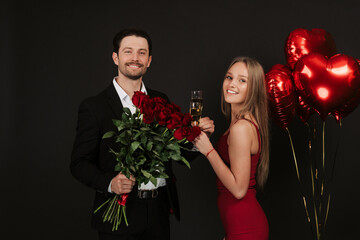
(235, 84)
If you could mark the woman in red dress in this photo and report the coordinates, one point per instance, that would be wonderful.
(241, 157)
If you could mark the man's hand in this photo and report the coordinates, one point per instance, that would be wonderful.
(207, 125)
(121, 184)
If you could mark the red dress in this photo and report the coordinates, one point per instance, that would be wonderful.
(244, 218)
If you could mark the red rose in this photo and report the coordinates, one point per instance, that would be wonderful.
(159, 100)
(138, 98)
(148, 119)
(174, 121)
(187, 119)
(181, 133)
(195, 131)
(173, 107)
(147, 109)
(158, 108)
(178, 134)
(163, 116)
(147, 105)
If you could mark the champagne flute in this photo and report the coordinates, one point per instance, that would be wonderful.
(196, 106)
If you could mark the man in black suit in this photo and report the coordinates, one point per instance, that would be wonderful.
(148, 206)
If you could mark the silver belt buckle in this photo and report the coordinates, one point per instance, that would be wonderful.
(154, 193)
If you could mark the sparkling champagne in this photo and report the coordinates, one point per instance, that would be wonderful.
(196, 106)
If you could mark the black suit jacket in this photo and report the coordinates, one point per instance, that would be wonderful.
(93, 164)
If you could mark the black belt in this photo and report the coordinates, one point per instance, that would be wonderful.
(148, 194)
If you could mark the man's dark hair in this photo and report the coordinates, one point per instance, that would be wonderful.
(130, 32)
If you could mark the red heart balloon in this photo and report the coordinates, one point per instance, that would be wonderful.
(301, 42)
(303, 110)
(326, 84)
(349, 106)
(281, 95)
(344, 110)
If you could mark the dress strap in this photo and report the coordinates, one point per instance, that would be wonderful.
(257, 131)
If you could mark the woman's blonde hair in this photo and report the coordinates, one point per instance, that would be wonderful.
(256, 104)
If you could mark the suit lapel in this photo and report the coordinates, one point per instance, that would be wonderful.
(151, 93)
(114, 101)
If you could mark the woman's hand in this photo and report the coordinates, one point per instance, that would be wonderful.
(202, 142)
(207, 125)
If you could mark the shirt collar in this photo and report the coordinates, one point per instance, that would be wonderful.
(122, 94)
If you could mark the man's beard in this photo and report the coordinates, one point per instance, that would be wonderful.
(133, 76)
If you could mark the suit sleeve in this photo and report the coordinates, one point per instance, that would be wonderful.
(85, 154)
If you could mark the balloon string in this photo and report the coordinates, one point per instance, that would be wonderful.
(313, 176)
(298, 176)
(315, 162)
(323, 170)
(293, 151)
(323, 137)
(315, 209)
(331, 178)
(327, 213)
(316, 223)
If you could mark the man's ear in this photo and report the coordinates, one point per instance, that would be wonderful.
(115, 58)
(150, 58)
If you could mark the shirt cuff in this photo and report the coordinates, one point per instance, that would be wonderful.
(109, 187)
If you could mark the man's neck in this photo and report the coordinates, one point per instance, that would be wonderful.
(129, 85)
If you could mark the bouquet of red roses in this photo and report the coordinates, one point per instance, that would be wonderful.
(147, 139)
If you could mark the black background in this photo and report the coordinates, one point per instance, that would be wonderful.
(55, 53)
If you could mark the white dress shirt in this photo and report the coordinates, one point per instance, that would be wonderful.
(127, 102)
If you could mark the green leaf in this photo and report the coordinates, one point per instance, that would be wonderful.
(153, 180)
(132, 120)
(141, 160)
(149, 146)
(117, 167)
(143, 139)
(134, 146)
(163, 175)
(116, 122)
(154, 133)
(145, 129)
(123, 139)
(118, 138)
(137, 134)
(186, 162)
(156, 153)
(173, 146)
(127, 111)
(125, 118)
(119, 124)
(161, 168)
(145, 173)
(129, 133)
(127, 173)
(108, 134)
(128, 158)
(159, 139)
(159, 148)
(122, 153)
(164, 158)
(176, 157)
